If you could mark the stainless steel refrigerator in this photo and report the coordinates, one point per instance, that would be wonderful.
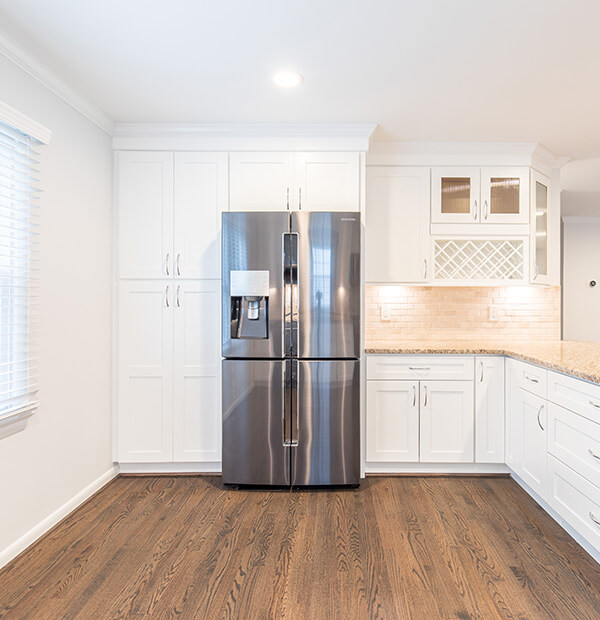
(291, 348)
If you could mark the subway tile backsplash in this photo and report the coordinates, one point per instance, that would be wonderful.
(530, 313)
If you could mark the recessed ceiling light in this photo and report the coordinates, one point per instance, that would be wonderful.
(288, 79)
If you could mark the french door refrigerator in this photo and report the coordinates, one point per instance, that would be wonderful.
(291, 348)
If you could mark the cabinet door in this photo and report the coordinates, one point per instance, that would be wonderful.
(144, 187)
(197, 371)
(455, 195)
(393, 421)
(513, 438)
(260, 181)
(447, 422)
(530, 414)
(200, 197)
(397, 224)
(326, 182)
(504, 195)
(489, 410)
(145, 371)
(540, 229)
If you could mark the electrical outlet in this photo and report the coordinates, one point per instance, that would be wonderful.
(494, 313)
(386, 312)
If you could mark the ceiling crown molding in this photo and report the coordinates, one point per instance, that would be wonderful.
(244, 136)
(34, 67)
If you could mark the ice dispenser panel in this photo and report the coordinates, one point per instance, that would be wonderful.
(249, 297)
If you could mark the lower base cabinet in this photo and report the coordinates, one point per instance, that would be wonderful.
(168, 378)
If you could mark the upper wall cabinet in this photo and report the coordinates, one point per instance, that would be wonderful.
(294, 181)
(541, 231)
(397, 224)
(169, 213)
(480, 195)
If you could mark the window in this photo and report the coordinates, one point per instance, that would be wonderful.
(18, 277)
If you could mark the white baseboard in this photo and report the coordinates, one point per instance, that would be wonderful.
(436, 468)
(169, 468)
(595, 553)
(13, 550)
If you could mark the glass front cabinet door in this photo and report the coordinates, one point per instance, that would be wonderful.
(455, 195)
(467, 195)
(540, 230)
(504, 196)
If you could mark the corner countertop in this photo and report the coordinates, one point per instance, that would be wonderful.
(579, 359)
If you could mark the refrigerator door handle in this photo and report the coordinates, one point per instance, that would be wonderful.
(290, 292)
(295, 262)
(294, 402)
(286, 395)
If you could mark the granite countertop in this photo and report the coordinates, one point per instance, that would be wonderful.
(580, 359)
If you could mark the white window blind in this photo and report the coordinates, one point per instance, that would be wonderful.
(19, 299)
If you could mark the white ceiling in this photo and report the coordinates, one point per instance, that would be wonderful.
(466, 70)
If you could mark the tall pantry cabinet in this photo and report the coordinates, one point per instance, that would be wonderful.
(168, 217)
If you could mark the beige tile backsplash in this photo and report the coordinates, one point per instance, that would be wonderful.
(530, 313)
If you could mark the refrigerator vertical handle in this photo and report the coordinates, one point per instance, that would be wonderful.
(286, 415)
(290, 292)
(294, 402)
(295, 262)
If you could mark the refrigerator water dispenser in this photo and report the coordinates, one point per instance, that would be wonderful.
(249, 296)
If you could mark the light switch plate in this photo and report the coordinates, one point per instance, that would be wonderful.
(386, 312)
(494, 313)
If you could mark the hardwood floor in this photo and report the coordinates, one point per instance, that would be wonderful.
(395, 548)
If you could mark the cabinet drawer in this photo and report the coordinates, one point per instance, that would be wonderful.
(416, 367)
(530, 378)
(575, 499)
(575, 441)
(575, 394)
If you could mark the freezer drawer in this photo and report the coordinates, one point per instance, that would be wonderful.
(253, 408)
(328, 426)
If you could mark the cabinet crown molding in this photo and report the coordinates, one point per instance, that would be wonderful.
(244, 136)
(463, 154)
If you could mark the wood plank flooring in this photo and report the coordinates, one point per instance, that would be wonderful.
(405, 547)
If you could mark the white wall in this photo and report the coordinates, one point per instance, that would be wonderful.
(67, 444)
(581, 302)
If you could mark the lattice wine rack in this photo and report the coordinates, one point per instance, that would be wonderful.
(479, 259)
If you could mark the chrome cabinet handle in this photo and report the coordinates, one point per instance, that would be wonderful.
(474, 209)
(179, 296)
(538, 417)
(593, 404)
(425, 396)
(178, 264)
(531, 379)
(167, 296)
(592, 453)
(299, 199)
(288, 199)
(486, 210)
(481, 370)
(425, 269)
(414, 395)
(419, 367)
(167, 263)
(593, 518)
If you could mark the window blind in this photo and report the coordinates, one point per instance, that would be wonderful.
(19, 266)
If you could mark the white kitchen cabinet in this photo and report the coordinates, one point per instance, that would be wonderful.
(200, 197)
(513, 438)
(326, 182)
(489, 409)
(397, 224)
(145, 371)
(480, 196)
(196, 371)
(542, 241)
(294, 181)
(144, 190)
(260, 181)
(447, 422)
(393, 421)
(169, 398)
(169, 213)
(529, 414)
(455, 195)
